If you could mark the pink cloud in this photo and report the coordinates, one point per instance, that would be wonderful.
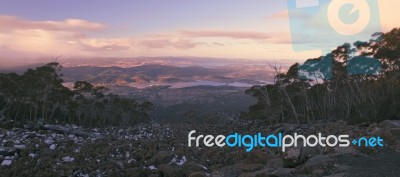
(285, 15)
(259, 37)
(21, 37)
(67, 37)
(280, 15)
(228, 34)
(77, 25)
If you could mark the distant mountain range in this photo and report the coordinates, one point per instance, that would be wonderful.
(159, 70)
(157, 73)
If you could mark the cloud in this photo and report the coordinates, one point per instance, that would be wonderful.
(29, 41)
(280, 15)
(10, 23)
(227, 34)
(239, 36)
(218, 44)
(95, 44)
(21, 37)
(284, 15)
(30, 37)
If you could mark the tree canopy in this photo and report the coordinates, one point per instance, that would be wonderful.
(40, 94)
(356, 92)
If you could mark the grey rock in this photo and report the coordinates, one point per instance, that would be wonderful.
(319, 162)
(170, 171)
(261, 173)
(336, 175)
(257, 156)
(292, 158)
(191, 167)
(236, 170)
(283, 172)
(390, 124)
(198, 174)
(162, 157)
(275, 163)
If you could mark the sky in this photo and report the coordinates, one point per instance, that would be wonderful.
(258, 29)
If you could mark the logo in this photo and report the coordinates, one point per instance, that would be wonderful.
(324, 24)
(249, 142)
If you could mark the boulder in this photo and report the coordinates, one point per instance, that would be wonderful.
(390, 124)
(198, 174)
(293, 153)
(391, 133)
(261, 173)
(229, 171)
(293, 158)
(283, 172)
(318, 162)
(336, 175)
(257, 156)
(308, 152)
(318, 172)
(275, 163)
(238, 169)
(350, 150)
(6, 151)
(191, 167)
(170, 171)
(162, 157)
(249, 167)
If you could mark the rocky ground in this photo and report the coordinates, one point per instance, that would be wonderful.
(161, 150)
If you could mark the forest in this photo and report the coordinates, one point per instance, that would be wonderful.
(348, 94)
(39, 95)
